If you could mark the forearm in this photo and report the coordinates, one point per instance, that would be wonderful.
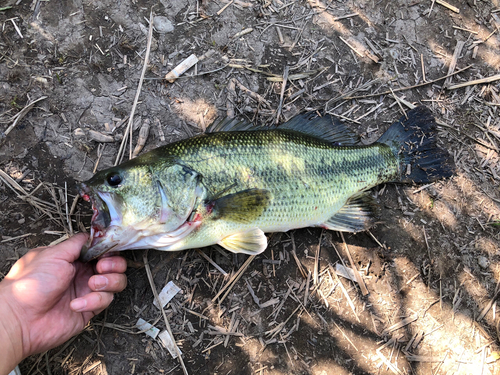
(11, 341)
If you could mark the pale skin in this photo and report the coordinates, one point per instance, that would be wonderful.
(49, 296)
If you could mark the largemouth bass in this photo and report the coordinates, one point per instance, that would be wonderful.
(232, 185)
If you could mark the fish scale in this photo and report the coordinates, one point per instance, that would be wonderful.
(229, 187)
(309, 179)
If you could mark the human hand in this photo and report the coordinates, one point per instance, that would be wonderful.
(49, 296)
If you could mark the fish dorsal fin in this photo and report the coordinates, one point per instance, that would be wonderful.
(232, 125)
(355, 216)
(325, 127)
(243, 206)
(250, 242)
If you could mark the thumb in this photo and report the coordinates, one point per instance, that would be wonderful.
(69, 250)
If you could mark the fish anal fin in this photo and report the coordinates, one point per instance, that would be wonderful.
(250, 242)
(243, 206)
(355, 216)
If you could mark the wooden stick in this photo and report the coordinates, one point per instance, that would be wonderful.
(233, 280)
(400, 324)
(449, 6)
(224, 7)
(423, 67)
(138, 92)
(18, 117)
(209, 260)
(299, 265)
(157, 298)
(342, 287)
(454, 59)
(476, 82)
(351, 47)
(316, 260)
(461, 28)
(283, 86)
(402, 88)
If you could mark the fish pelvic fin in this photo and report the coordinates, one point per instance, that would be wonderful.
(355, 216)
(413, 142)
(250, 242)
(242, 207)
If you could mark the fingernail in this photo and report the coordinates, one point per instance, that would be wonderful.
(100, 282)
(78, 304)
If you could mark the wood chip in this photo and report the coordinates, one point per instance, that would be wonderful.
(180, 69)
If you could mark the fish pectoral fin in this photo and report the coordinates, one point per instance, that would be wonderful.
(355, 216)
(243, 206)
(251, 242)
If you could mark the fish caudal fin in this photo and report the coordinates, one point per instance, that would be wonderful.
(413, 141)
(355, 216)
(251, 242)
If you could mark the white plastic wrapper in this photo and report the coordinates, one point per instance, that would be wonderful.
(346, 272)
(149, 329)
(168, 343)
(167, 293)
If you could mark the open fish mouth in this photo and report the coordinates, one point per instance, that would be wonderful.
(102, 219)
(107, 232)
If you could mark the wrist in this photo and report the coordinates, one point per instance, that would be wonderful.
(11, 335)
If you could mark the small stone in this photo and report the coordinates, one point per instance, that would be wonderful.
(483, 262)
(163, 24)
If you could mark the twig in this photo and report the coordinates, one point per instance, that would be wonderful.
(233, 280)
(18, 117)
(351, 47)
(294, 254)
(488, 306)
(219, 12)
(399, 103)
(449, 6)
(476, 82)
(402, 88)
(138, 92)
(400, 324)
(359, 279)
(316, 260)
(454, 59)
(423, 67)
(283, 86)
(342, 287)
(209, 260)
(157, 298)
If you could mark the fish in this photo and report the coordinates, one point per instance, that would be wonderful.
(236, 182)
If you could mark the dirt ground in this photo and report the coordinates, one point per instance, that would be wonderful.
(431, 264)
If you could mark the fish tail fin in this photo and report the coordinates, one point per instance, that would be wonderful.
(413, 141)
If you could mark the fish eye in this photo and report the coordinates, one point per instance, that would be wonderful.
(114, 179)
